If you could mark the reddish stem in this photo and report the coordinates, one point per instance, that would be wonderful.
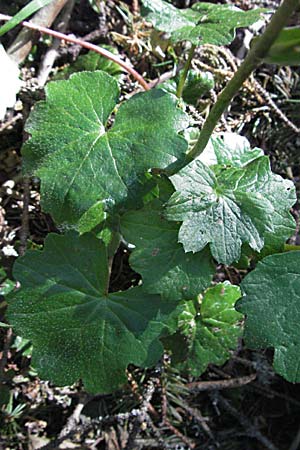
(87, 45)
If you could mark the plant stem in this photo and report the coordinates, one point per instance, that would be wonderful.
(259, 49)
(185, 71)
(87, 45)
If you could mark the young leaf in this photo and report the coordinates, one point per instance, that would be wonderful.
(227, 149)
(165, 267)
(228, 206)
(204, 23)
(212, 328)
(196, 85)
(271, 303)
(81, 161)
(234, 150)
(77, 329)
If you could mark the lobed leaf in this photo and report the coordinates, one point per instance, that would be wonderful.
(77, 329)
(227, 206)
(212, 328)
(204, 23)
(82, 161)
(165, 268)
(271, 303)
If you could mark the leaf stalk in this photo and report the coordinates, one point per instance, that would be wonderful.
(88, 45)
(185, 71)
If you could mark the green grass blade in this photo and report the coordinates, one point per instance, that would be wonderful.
(25, 12)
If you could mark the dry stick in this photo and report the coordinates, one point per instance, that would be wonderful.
(24, 231)
(22, 45)
(255, 88)
(84, 44)
(84, 427)
(73, 420)
(52, 53)
(156, 433)
(197, 415)
(273, 105)
(141, 414)
(245, 422)
(10, 122)
(221, 384)
(164, 402)
(251, 62)
(181, 436)
(296, 442)
(135, 7)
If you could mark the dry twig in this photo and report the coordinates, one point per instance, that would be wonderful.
(251, 430)
(87, 45)
(22, 45)
(221, 384)
(52, 53)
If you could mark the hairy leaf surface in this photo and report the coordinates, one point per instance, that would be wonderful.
(160, 259)
(212, 328)
(204, 23)
(271, 303)
(228, 206)
(78, 330)
(81, 161)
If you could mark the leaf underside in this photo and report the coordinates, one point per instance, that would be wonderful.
(78, 331)
(204, 23)
(271, 303)
(82, 161)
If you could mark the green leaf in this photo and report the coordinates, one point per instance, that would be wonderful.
(82, 161)
(271, 303)
(25, 12)
(93, 61)
(91, 218)
(165, 267)
(212, 327)
(234, 150)
(285, 51)
(226, 149)
(77, 329)
(228, 206)
(196, 85)
(204, 23)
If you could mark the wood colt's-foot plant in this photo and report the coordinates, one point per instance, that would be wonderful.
(112, 172)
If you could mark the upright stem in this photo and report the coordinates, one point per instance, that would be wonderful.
(185, 71)
(259, 49)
